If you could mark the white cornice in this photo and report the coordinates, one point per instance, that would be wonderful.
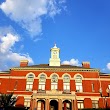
(3, 72)
(57, 69)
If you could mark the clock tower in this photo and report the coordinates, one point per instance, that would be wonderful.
(54, 60)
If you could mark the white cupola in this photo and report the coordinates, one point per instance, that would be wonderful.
(54, 60)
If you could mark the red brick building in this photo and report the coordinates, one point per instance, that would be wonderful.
(57, 87)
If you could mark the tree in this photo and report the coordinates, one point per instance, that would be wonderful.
(7, 100)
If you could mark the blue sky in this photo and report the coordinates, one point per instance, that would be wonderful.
(80, 28)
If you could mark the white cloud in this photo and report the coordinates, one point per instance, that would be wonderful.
(7, 56)
(74, 62)
(6, 29)
(28, 13)
(108, 66)
(7, 42)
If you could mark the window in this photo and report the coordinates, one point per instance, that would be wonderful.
(41, 86)
(42, 81)
(42, 78)
(53, 86)
(93, 87)
(54, 82)
(78, 82)
(54, 78)
(15, 86)
(66, 78)
(27, 102)
(94, 103)
(80, 104)
(29, 83)
(66, 83)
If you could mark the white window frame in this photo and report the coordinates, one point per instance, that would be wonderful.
(80, 104)
(54, 78)
(41, 86)
(95, 104)
(66, 78)
(42, 81)
(66, 86)
(66, 83)
(54, 86)
(29, 86)
(79, 87)
(27, 102)
(78, 83)
(42, 78)
(93, 90)
(54, 82)
(29, 82)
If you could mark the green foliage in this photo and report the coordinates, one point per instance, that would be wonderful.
(7, 100)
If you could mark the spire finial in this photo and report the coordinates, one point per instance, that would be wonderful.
(55, 45)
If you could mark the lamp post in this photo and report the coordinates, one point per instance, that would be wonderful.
(104, 97)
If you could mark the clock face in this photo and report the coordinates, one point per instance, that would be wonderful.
(54, 52)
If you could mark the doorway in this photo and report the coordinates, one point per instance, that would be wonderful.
(53, 105)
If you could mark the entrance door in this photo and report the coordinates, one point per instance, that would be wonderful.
(67, 105)
(53, 105)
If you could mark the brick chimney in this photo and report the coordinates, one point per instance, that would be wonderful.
(86, 64)
(23, 63)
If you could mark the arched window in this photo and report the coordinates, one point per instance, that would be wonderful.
(54, 81)
(78, 82)
(54, 78)
(30, 76)
(66, 78)
(66, 83)
(42, 80)
(29, 82)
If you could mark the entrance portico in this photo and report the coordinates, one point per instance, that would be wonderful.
(54, 100)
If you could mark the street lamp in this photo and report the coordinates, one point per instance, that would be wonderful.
(104, 96)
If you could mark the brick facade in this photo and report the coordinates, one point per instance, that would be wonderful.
(72, 87)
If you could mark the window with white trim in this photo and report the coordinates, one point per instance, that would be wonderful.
(80, 104)
(66, 83)
(42, 80)
(78, 82)
(54, 82)
(15, 86)
(95, 104)
(29, 82)
(27, 102)
(92, 87)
